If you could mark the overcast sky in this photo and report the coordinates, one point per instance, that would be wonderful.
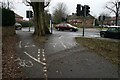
(96, 6)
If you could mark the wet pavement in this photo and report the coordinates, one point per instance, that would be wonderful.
(80, 63)
(31, 55)
(61, 57)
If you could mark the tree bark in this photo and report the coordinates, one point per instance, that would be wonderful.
(116, 19)
(39, 19)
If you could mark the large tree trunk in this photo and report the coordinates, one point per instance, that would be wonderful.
(46, 19)
(116, 19)
(39, 19)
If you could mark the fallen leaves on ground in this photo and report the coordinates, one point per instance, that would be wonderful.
(10, 67)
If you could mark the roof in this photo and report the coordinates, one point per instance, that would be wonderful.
(18, 16)
(73, 16)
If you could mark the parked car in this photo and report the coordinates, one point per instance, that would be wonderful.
(18, 26)
(111, 32)
(66, 26)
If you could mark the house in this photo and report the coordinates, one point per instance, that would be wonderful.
(81, 21)
(111, 21)
(18, 18)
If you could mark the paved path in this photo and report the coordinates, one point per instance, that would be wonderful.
(72, 62)
(78, 62)
(32, 56)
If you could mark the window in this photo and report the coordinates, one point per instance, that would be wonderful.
(113, 29)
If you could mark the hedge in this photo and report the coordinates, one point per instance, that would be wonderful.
(26, 24)
(8, 17)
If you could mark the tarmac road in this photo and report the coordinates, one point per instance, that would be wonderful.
(62, 57)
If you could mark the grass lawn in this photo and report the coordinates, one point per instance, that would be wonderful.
(108, 49)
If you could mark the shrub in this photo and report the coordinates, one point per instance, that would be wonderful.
(26, 24)
(8, 17)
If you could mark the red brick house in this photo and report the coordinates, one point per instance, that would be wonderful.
(81, 21)
(18, 18)
(111, 21)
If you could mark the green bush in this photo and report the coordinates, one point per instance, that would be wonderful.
(8, 17)
(26, 24)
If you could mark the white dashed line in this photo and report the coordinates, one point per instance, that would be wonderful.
(33, 45)
(20, 44)
(38, 51)
(26, 46)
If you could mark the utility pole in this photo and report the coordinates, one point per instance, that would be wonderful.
(30, 15)
(51, 24)
(84, 7)
(85, 10)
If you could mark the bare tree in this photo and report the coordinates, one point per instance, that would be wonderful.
(39, 16)
(60, 12)
(6, 4)
(114, 7)
(105, 14)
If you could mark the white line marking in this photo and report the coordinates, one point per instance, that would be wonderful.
(39, 59)
(24, 63)
(54, 46)
(43, 55)
(38, 50)
(26, 46)
(38, 55)
(33, 45)
(27, 43)
(45, 68)
(63, 44)
(34, 58)
(44, 59)
(60, 37)
(20, 46)
(43, 51)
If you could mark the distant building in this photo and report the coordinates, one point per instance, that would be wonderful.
(111, 21)
(18, 18)
(80, 21)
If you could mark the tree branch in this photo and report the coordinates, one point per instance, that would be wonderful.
(47, 4)
(113, 3)
(111, 9)
(27, 3)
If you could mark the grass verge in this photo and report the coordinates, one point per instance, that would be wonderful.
(108, 49)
